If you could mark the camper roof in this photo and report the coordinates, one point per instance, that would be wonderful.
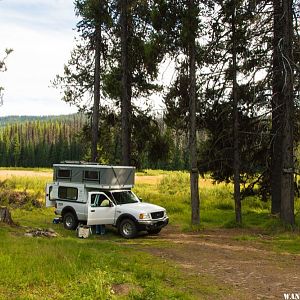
(84, 164)
(101, 176)
(91, 165)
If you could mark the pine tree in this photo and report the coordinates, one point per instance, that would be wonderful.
(283, 107)
(16, 150)
(179, 23)
(125, 84)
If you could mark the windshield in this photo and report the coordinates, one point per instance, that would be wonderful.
(125, 197)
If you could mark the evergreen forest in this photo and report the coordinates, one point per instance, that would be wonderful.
(29, 141)
(39, 141)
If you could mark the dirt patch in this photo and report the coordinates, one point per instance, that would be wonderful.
(124, 289)
(50, 233)
(250, 270)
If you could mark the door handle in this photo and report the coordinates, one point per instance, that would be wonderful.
(92, 210)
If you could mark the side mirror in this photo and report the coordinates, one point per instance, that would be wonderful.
(141, 199)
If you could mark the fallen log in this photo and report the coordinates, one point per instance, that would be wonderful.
(5, 216)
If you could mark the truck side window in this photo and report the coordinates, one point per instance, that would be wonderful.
(69, 193)
(93, 197)
(99, 200)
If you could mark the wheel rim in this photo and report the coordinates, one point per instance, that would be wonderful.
(127, 229)
(69, 221)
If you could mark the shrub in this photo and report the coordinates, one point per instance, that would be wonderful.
(18, 199)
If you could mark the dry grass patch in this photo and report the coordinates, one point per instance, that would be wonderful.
(6, 174)
(152, 180)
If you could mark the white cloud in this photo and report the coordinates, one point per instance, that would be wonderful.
(42, 39)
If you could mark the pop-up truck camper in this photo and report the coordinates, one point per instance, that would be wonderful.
(96, 194)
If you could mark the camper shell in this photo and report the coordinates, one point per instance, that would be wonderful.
(100, 194)
(94, 175)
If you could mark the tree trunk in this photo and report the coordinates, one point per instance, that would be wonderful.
(126, 87)
(287, 182)
(194, 174)
(5, 216)
(277, 111)
(96, 107)
(282, 167)
(236, 152)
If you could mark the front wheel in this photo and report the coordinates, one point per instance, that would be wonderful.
(127, 229)
(70, 221)
(154, 231)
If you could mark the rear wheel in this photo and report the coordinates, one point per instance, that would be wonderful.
(70, 220)
(154, 231)
(128, 229)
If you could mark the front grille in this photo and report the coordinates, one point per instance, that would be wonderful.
(157, 215)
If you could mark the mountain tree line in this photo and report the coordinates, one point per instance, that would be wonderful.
(43, 141)
(40, 143)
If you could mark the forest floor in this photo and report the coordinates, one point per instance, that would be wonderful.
(251, 269)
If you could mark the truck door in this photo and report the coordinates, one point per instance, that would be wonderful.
(51, 194)
(101, 209)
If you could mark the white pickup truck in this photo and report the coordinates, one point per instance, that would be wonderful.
(91, 204)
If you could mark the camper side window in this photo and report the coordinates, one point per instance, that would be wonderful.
(64, 174)
(91, 175)
(68, 193)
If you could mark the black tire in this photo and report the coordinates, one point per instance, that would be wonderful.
(154, 231)
(127, 228)
(70, 221)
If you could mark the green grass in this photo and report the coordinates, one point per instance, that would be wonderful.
(68, 267)
(33, 184)
(172, 192)
(217, 204)
(217, 209)
(280, 242)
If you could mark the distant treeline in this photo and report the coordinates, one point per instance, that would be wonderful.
(9, 120)
(42, 141)
(39, 141)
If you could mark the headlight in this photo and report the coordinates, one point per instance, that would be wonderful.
(144, 216)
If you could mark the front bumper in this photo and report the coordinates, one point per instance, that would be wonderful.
(153, 224)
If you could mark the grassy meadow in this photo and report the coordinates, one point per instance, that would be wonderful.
(109, 267)
(68, 267)
(217, 204)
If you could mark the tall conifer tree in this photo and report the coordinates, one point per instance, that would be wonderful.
(283, 111)
(125, 84)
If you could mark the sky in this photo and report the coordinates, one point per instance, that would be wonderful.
(41, 34)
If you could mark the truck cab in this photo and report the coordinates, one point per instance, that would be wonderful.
(107, 199)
